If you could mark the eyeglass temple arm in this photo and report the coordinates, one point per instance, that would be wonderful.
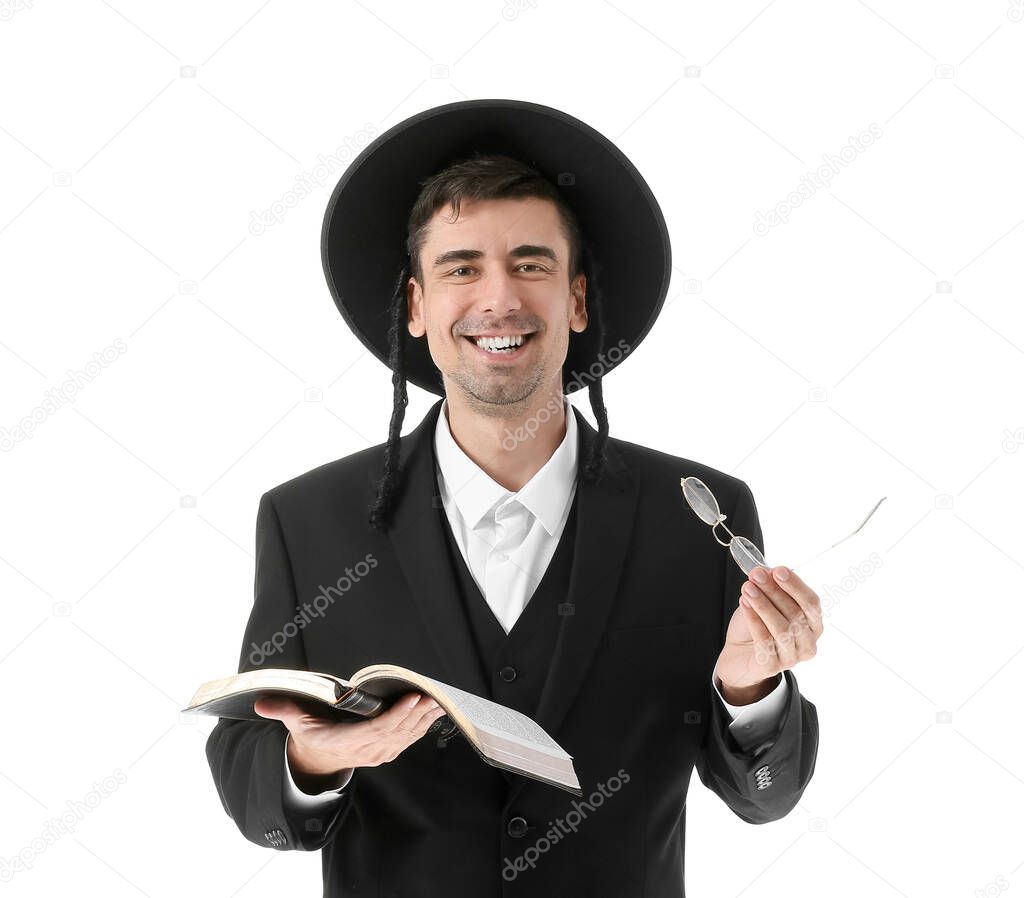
(859, 527)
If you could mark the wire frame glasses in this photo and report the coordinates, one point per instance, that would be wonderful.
(744, 552)
(703, 502)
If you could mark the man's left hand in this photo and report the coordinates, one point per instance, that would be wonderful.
(775, 627)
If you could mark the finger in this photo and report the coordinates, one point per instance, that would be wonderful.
(269, 707)
(283, 709)
(776, 623)
(773, 618)
(781, 599)
(758, 631)
(428, 721)
(790, 641)
(805, 643)
(802, 606)
(765, 651)
(799, 628)
(802, 637)
(430, 712)
(396, 716)
(419, 719)
(804, 596)
(409, 712)
(797, 642)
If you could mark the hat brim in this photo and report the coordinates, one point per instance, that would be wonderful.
(365, 225)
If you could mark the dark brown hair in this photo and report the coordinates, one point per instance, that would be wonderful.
(486, 177)
(480, 177)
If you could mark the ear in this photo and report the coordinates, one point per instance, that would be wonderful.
(578, 309)
(414, 296)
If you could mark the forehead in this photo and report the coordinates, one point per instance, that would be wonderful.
(498, 223)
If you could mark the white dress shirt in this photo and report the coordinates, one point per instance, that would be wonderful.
(507, 540)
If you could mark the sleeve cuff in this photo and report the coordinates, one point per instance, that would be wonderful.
(754, 723)
(296, 798)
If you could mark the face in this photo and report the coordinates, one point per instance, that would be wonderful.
(500, 269)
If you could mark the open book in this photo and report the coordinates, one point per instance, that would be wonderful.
(501, 736)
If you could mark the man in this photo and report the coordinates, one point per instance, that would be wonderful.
(507, 548)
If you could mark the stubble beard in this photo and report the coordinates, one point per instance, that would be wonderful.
(499, 394)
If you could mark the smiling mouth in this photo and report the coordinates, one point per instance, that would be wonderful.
(509, 351)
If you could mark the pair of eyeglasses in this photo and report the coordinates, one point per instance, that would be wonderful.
(744, 552)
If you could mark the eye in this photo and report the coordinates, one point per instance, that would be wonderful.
(539, 268)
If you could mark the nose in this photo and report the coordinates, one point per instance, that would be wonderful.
(498, 293)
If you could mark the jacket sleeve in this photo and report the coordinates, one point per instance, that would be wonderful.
(246, 757)
(765, 782)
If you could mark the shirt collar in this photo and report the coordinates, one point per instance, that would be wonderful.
(546, 495)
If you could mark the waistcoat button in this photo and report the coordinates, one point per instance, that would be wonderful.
(507, 673)
(517, 827)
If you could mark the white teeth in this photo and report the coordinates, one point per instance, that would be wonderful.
(493, 343)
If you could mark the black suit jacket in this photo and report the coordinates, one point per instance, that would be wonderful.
(628, 694)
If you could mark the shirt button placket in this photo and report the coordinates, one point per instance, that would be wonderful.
(504, 532)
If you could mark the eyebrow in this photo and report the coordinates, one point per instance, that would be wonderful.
(519, 252)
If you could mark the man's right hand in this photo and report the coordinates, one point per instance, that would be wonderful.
(320, 750)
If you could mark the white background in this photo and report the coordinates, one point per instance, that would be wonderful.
(868, 346)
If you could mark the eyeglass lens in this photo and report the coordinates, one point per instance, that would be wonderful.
(704, 504)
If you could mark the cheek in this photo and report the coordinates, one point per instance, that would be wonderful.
(448, 343)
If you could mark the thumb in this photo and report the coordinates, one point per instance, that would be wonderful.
(282, 709)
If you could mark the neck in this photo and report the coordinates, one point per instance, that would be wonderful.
(512, 447)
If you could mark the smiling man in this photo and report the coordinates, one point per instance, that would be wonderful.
(514, 551)
(500, 310)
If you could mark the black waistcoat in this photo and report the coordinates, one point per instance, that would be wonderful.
(516, 665)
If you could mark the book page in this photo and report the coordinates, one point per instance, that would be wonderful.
(499, 720)
(319, 686)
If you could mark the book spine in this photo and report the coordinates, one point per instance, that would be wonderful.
(361, 703)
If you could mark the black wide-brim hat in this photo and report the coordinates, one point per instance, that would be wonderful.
(624, 232)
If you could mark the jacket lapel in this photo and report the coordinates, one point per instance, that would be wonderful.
(419, 542)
